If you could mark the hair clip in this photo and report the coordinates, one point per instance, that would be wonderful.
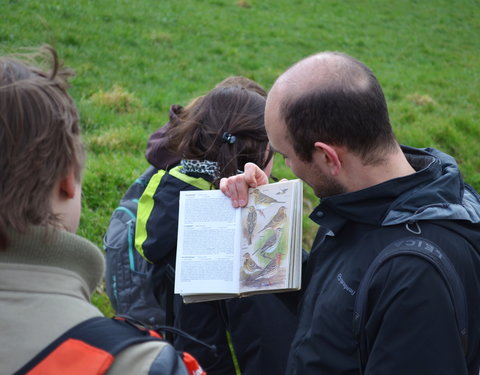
(229, 138)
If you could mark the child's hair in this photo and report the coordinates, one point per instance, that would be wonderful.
(246, 83)
(225, 126)
(231, 81)
(39, 139)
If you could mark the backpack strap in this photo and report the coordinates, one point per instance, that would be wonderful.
(429, 251)
(88, 348)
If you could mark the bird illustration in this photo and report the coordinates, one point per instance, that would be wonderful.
(270, 269)
(277, 220)
(249, 265)
(282, 191)
(251, 222)
(270, 244)
(263, 199)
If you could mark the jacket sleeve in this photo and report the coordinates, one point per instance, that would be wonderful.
(151, 358)
(157, 221)
(411, 326)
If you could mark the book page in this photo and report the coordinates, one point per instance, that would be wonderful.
(207, 246)
(269, 247)
(296, 242)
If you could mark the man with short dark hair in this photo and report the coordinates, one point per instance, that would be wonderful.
(328, 117)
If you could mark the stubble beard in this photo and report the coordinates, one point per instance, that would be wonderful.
(328, 188)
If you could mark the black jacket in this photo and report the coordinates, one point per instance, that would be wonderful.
(410, 323)
(260, 327)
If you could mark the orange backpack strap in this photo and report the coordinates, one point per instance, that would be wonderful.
(88, 348)
(192, 365)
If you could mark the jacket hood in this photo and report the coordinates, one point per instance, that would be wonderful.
(46, 246)
(445, 196)
(435, 192)
(157, 153)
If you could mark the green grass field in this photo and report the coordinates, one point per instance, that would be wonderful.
(134, 59)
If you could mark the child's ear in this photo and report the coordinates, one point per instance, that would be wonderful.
(68, 185)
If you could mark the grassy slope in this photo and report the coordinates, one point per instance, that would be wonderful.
(135, 58)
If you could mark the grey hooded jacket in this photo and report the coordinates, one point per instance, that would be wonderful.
(46, 281)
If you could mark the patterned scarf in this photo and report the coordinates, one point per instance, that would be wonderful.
(202, 167)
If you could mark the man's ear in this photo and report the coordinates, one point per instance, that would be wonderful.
(67, 185)
(331, 156)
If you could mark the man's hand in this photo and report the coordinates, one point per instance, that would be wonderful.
(236, 187)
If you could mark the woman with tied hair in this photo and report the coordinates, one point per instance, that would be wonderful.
(47, 273)
(158, 153)
(212, 137)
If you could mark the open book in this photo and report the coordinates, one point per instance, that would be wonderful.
(223, 252)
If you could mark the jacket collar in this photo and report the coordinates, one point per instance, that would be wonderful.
(50, 247)
(435, 191)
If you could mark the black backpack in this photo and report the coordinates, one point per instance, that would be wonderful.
(431, 252)
(128, 274)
